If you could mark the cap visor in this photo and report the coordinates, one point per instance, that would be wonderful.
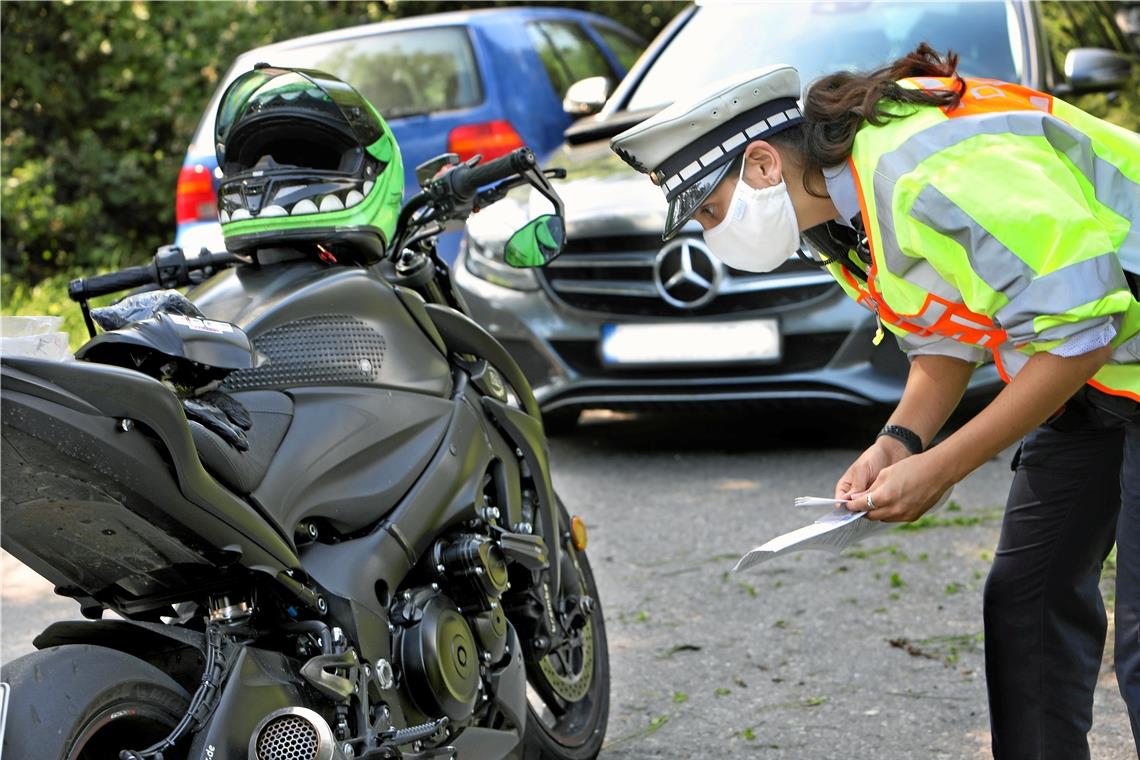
(682, 208)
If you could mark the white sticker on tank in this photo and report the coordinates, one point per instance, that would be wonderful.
(202, 325)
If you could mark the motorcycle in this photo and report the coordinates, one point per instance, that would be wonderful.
(385, 569)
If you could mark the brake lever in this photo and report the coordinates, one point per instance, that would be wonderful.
(496, 193)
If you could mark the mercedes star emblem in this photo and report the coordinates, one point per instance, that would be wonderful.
(686, 273)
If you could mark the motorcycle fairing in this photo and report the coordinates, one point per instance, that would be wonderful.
(350, 455)
(50, 430)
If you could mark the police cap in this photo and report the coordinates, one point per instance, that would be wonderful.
(688, 147)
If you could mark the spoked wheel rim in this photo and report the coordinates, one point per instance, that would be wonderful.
(563, 690)
(125, 726)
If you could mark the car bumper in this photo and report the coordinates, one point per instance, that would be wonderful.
(828, 356)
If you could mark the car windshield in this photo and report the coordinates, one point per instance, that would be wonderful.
(417, 71)
(821, 37)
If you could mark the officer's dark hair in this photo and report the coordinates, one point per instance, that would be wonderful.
(837, 105)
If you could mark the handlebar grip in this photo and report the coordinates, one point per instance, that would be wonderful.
(515, 162)
(112, 282)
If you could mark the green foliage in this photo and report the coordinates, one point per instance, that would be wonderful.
(101, 99)
(1073, 25)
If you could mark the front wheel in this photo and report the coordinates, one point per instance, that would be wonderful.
(568, 691)
(82, 702)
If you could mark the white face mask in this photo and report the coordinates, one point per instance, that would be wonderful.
(760, 230)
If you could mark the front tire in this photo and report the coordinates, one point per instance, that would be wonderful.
(566, 721)
(83, 702)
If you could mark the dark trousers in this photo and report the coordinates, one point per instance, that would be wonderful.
(1045, 621)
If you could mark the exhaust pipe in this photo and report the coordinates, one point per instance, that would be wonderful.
(294, 733)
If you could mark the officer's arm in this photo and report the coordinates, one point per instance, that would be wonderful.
(1043, 385)
(933, 390)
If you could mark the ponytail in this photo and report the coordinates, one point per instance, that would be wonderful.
(837, 105)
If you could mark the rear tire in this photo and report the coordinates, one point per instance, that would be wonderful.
(82, 702)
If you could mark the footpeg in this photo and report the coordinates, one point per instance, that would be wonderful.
(411, 734)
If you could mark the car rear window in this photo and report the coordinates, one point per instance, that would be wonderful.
(567, 54)
(417, 71)
(627, 48)
(821, 37)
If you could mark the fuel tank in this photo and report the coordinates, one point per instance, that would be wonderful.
(323, 326)
(370, 388)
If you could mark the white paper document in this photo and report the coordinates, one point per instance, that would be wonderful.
(833, 532)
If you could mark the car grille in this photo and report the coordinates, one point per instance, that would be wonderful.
(616, 275)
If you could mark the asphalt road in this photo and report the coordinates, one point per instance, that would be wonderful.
(873, 654)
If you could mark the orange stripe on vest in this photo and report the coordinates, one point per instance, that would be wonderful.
(956, 322)
(987, 96)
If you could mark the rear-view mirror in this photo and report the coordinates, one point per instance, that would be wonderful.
(536, 244)
(1097, 69)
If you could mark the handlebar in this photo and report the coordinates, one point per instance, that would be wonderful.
(170, 269)
(112, 282)
(465, 181)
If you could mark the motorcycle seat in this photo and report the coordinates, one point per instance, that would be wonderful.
(243, 471)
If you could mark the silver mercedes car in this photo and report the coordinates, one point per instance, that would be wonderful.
(622, 320)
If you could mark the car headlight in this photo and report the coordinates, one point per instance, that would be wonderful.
(484, 259)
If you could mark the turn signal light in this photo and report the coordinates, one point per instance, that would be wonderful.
(491, 139)
(578, 533)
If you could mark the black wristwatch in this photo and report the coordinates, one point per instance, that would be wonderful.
(905, 436)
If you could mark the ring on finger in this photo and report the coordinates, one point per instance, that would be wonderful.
(870, 502)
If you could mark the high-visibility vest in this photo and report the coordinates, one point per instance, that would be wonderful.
(1001, 226)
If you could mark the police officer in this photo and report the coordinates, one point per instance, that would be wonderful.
(976, 218)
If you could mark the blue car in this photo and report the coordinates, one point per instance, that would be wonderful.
(472, 82)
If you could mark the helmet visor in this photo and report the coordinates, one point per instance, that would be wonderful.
(294, 94)
(682, 208)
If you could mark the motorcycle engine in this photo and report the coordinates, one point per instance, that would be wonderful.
(445, 639)
(438, 656)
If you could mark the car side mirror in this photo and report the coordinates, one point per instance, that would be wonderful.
(1096, 69)
(587, 96)
(536, 244)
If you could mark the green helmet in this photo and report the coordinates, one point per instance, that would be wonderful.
(306, 161)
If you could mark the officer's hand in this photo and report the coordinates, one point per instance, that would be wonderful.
(904, 491)
(884, 452)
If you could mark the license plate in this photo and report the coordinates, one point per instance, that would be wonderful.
(653, 344)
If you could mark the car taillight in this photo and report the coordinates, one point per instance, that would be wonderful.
(491, 139)
(195, 198)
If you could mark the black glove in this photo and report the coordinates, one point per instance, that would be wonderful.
(216, 421)
(232, 408)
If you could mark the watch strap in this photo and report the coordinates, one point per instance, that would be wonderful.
(905, 436)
